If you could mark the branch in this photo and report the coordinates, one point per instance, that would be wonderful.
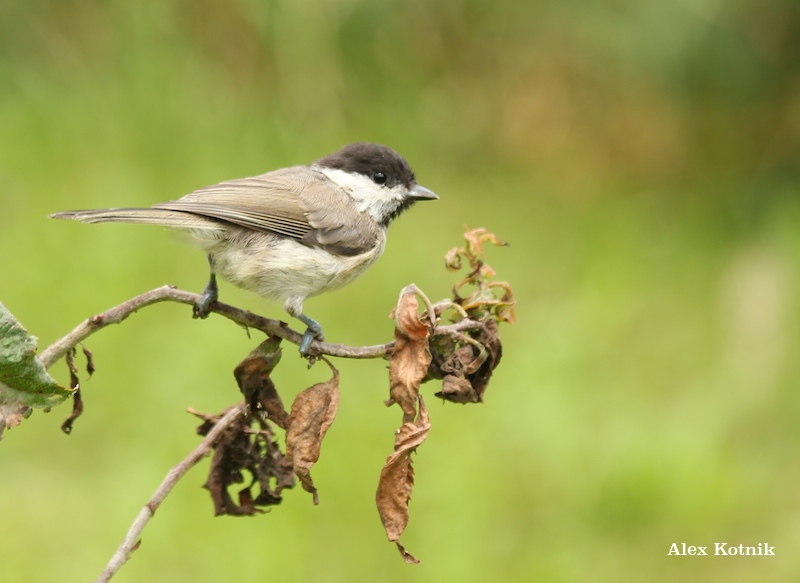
(131, 541)
(244, 318)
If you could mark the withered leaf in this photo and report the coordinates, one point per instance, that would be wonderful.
(77, 398)
(466, 370)
(458, 390)
(253, 377)
(397, 479)
(69, 357)
(224, 471)
(313, 412)
(411, 356)
(246, 502)
(407, 557)
(245, 448)
(504, 310)
(490, 339)
(477, 237)
(219, 478)
(452, 259)
(274, 465)
(77, 411)
(90, 368)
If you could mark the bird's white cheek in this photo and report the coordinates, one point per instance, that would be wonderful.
(377, 201)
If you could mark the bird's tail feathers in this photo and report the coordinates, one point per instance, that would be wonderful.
(149, 216)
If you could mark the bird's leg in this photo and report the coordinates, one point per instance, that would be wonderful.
(210, 293)
(294, 305)
(314, 330)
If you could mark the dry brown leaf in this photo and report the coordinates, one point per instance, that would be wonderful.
(313, 412)
(466, 370)
(90, 368)
(220, 476)
(77, 411)
(458, 390)
(249, 445)
(411, 357)
(223, 471)
(397, 479)
(407, 557)
(253, 376)
(77, 398)
(244, 448)
(490, 339)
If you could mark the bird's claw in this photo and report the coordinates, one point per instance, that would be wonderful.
(309, 336)
(210, 295)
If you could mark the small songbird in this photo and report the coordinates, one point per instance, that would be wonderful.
(291, 233)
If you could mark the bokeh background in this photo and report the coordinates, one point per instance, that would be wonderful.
(641, 157)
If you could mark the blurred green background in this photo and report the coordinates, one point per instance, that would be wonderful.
(641, 157)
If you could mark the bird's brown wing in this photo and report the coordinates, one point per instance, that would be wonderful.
(297, 202)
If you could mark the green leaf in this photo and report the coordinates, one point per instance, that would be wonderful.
(24, 382)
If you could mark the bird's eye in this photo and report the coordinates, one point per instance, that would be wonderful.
(379, 178)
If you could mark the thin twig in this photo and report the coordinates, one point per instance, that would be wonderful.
(131, 541)
(119, 313)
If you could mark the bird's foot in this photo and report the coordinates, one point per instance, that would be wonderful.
(313, 331)
(210, 295)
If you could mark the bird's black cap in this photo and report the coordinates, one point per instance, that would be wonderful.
(367, 159)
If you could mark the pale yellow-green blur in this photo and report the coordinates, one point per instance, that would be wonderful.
(641, 157)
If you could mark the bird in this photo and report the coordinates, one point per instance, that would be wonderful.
(291, 233)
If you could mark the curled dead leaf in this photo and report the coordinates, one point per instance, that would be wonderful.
(457, 389)
(397, 479)
(411, 357)
(407, 557)
(90, 368)
(465, 369)
(75, 385)
(244, 448)
(452, 259)
(313, 412)
(77, 411)
(477, 237)
(253, 377)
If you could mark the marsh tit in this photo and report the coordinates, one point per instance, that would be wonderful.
(291, 233)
